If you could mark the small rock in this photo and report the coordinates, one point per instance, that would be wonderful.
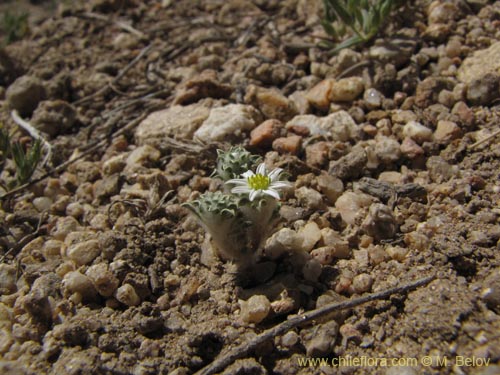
(481, 63)
(417, 132)
(179, 122)
(346, 89)
(429, 89)
(76, 282)
(228, 121)
(255, 309)
(114, 164)
(142, 156)
(282, 241)
(447, 131)
(271, 103)
(387, 150)
(264, 134)
(24, 94)
(240, 366)
(340, 247)
(464, 113)
(288, 145)
(312, 270)
(202, 86)
(380, 222)
(330, 186)
(439, 169)
(361, 283)
(397, 252)
(309, 198)
(310, 235)
(64, 226)
(42, 203)
(327, 254)
(411, 149)
(319, 95)
(322, 343)
(442, 13)
(104, 281)
(339, 126)
(437, 32)
(352, 206)
(485, 90)
(300, 101)
(8, 278)
(54, 117)
(84, 252)
(403, 116)
(351, 165)
(317, 154)
(127, 295)
(289, 339)
(373, 98)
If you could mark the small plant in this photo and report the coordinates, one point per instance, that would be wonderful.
(240, 219)
(25, 162)
(362, 18)
(14, 26)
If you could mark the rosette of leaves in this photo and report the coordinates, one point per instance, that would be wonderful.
(234, 162)
(361, 19)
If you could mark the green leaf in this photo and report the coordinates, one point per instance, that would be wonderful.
(329, 29)
(342, 13)
(26, 163)
(356, 39)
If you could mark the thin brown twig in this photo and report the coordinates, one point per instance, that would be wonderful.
(488, 138)
(244, 349)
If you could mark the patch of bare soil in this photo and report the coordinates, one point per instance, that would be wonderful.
(392, 149)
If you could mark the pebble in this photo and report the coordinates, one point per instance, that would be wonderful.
(323, 341)
(289, 339)
(403, 116)
(264, 134)
(24, 94)
(271, 103)
(481, 63)
(255, 309)
(54, 117)
(104, 280)
(76, 282)
(362, 283)
(483, 91)
(387, 150)
(288, 145)
(312, 270)
(339, 126)
(439, 169)
(114, 164)
(326, 255)
(64, 226)
(300, 101)
(331, 238)
(317, 154)
(397, 252)
(352, 205)
(309, 198)
(442, 13)
(490, 292)
(42, 203)
(380, 222)
(319, 95)
(411, 149)
(417, 132)
(204, 85)
(228, 121)
(8, 276)
(330, 186)
(52, 249)
(127, 295)
(310, 235)
(373, 98)
(142, 156)
(446, 131)
(284, 240)
(429, 89)
(84, 252)
(350, 165)
(346, 89)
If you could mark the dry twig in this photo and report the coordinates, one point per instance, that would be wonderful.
(123, 25)
(244, 349)
(488, 138)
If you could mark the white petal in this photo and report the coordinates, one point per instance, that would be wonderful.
(275, 174)
(241, 190)
(248, 174)
(237, 181)
(272, 193)
(261, 169)
(253, 195)
(280, 185)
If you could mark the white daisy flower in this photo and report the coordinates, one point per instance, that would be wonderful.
(260, 183)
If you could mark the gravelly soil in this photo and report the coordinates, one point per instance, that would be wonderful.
(99, 276)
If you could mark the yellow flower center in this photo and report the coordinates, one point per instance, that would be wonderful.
(259, 182)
